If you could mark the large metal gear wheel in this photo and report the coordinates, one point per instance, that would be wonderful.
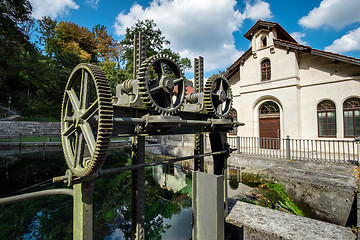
(86, 119)
(161, 84)
(218, 96)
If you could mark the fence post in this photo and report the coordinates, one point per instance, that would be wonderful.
(287, 147)
(238, 144)
(44, 140)
(20, 140)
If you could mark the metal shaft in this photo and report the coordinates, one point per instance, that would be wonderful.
(27, 196)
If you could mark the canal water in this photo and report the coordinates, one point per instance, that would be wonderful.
(168, 212)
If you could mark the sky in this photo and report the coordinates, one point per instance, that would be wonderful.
(214, 29)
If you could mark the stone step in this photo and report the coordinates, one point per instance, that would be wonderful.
(248, 221)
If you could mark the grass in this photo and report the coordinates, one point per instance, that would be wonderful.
(33, 139)
(40, 119)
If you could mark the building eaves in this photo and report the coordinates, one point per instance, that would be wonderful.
(230, 71)
(330, 55)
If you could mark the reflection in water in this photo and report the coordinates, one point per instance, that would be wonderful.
(173, 177)
(170, 176)
(166, 212)
(234, 185)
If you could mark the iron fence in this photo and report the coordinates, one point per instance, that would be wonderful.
(337, 151)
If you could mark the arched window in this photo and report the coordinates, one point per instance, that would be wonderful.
(264, 41)
(269, 108)
(265, 70)
(233, 115)
(351, 110)
(326, 119)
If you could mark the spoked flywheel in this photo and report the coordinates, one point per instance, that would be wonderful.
(86, 119)
(161, 84)
(218, 96)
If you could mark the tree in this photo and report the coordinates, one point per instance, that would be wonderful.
(14, 44)
(154, 44)
(47, 37)
(106, 46)
(75, 39)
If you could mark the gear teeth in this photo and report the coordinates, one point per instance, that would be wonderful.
(208, 100)
(143, 88)
(105, 120)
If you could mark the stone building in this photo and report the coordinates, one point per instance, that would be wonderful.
(283, 88)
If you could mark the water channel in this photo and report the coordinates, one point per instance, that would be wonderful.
(168, 211)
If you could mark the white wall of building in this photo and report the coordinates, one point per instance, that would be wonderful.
(299, 81)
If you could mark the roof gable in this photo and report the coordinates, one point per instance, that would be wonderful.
(284, 39)
(281, 33)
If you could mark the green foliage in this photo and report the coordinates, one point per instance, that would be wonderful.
(113, 73)
(272, 196)
(285, 201)
(154, 42)
(35, 78)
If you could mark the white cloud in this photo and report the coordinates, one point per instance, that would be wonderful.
(298, 36)
(52, 8)
(348, 42)
(196, 27)
(333, 13)
(93, 3)
(260, 10)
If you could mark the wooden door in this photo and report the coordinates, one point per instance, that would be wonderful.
(269, 133)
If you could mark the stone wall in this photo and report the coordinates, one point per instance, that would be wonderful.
(14, 128)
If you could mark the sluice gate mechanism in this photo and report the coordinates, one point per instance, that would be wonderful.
(154, 102)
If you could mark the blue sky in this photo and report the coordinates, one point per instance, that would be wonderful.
(214, 29)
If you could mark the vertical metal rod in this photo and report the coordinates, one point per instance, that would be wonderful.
(20, 139)
(325, 149)
(338, 151)
(138, 189)
(253, 145)
(329, 151)
(199, 149)
(357, 147)
(353, 143)
(344, 151)
(312, 149)
(334, 151)
(308, 149)
(348, 151)
(238, 144)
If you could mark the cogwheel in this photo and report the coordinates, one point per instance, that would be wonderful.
(161, 84)
(86, 119)
(218, 96)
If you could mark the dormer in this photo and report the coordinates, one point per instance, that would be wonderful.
(263, 33)
(263, 38)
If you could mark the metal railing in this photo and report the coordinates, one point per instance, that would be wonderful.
(337, 151)
(32, 140)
